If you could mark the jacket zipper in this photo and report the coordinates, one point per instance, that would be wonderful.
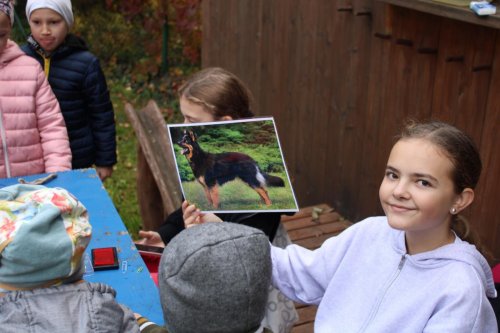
(4, 147)
(388, 286)
(46, 62)
(46, 66)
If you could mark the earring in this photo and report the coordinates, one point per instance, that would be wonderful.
(453, 210)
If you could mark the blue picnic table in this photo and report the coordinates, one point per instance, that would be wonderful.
(134, 286)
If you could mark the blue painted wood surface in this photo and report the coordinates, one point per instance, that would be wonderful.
(134, 286)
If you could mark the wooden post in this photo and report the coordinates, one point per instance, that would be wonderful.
(158, 188)
(148, 195)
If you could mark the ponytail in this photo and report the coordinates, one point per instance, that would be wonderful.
(460, 225)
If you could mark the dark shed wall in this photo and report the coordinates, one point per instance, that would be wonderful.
(340, 77)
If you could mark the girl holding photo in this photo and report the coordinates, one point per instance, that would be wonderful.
(419, 268)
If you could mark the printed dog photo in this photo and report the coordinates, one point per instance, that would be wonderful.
(232, 166)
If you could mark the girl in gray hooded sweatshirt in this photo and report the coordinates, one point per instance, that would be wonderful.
(414, 269)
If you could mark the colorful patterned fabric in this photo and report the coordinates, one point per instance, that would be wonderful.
(43, 235)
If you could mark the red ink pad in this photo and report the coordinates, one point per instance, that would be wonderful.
(104, 258)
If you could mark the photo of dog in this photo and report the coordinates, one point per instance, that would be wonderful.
(214, 170)
(232, 166)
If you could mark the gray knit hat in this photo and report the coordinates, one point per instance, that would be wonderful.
(214, 278)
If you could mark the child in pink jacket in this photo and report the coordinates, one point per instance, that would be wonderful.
(33, 136)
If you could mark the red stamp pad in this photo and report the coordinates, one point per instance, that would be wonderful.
(104, 258)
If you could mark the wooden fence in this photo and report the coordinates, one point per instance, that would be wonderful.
(340, 78)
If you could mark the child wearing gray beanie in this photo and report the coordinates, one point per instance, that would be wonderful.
(214, 278)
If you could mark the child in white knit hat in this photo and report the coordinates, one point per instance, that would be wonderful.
(43, 235)
(78, 82)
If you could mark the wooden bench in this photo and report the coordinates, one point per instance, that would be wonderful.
(310, 227)
(158, 190)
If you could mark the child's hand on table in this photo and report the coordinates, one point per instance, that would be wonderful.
(150, 238)
(104, 172)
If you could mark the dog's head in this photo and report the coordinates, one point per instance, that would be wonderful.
(187, 143)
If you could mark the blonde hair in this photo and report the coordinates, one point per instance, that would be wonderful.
(220, 92)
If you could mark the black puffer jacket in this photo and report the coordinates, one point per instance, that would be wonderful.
(78, 82)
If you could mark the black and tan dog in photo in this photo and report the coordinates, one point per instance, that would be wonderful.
(214, 170)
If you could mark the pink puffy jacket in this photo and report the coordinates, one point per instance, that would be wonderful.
(33, 136)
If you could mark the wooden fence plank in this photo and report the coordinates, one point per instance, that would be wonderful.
(451, 72)
(483, 219)
(354, 27)
(366, 202)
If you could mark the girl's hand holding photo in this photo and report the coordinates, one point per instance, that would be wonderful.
(193, 216)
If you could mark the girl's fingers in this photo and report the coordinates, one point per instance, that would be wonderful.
(190, 210)
(192, 219)
(210, 217)
(189, 216)
(184, 205)
(192, 215)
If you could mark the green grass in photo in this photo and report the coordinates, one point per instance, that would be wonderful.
(237, 195)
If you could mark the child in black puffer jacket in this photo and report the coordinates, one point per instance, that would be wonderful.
(78, 82)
